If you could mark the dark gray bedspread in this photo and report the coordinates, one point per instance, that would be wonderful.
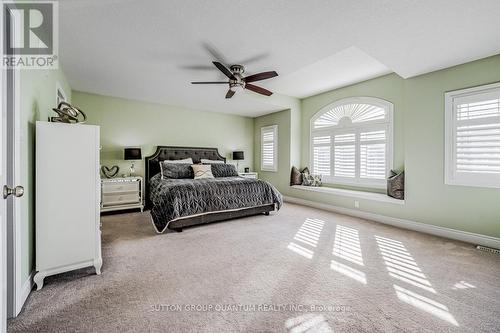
(175, 198)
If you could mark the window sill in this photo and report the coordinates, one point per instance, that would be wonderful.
(350, 193)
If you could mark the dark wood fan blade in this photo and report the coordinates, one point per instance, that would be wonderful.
(210, 82)
(258, 89)
(230, 93)
(224, 70)
(261, 76)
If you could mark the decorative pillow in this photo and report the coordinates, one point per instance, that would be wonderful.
(176, 171)
(311, 180)
(396, 185)
(187, 161)
(224, 170)
(207, 161)
(295, 177)
(202, 171)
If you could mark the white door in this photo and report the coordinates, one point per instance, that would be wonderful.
(3, 206)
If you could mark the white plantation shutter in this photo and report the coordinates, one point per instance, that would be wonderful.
(351, 142)
(345, 155)
(269, 148)
(321, 155)
(373, 155)
(473, 136)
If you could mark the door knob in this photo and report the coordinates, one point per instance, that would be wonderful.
(17, 191)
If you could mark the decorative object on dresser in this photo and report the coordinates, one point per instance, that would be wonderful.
(247, 170)
(253, 175)
(66, 113)
(132, 154)
(121, 194)
(68, 235)
(110, 172)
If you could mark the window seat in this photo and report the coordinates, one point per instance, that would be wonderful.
(351, 193)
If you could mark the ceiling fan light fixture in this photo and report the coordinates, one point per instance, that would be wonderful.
(236, 86)
(238, 82)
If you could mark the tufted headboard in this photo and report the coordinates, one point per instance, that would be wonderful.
(152, 165)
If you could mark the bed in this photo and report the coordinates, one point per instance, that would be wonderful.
(178, 203)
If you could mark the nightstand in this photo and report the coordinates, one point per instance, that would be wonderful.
(253, 175)
(121, 194)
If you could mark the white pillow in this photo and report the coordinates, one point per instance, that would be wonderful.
(184, 161)
(206, 161)
(202, 171)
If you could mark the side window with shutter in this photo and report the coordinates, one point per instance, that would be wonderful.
(472, 142)
(269, 148)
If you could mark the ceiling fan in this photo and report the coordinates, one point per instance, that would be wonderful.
(238, 82)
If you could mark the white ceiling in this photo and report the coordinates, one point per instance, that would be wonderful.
(151, 50)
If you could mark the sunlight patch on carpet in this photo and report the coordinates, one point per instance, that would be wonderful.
(348, 271)
(311, 323)
(426, 304)
(347, 246)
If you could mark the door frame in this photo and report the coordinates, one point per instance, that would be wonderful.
(3, 203)
(16, 287)
(16, 293)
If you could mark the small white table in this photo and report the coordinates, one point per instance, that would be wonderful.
(253, 175)
(121, 193)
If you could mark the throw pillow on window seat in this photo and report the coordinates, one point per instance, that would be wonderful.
(295, 177)
(311, 180)
(396, 185)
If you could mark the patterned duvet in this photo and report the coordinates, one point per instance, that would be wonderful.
(177, 198)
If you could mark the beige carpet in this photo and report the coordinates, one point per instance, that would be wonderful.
(299, 270)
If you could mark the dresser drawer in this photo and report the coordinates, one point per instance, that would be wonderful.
(119, 199)
(120, 187)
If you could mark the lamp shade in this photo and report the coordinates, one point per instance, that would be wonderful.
(238, 156)
(132, 154)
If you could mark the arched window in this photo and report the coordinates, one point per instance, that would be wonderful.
(351, 142)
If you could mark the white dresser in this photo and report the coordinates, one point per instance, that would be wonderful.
(68, 235)
(121, 194)
(253, 175)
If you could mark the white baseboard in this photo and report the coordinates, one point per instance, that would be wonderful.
(25, 292)
(464, 236)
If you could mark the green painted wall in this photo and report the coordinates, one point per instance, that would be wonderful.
(133, 123)
(37, 98)
(419, 147)
(289, 133)
(280, 178)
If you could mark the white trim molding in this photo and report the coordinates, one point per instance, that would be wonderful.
(459, 235)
